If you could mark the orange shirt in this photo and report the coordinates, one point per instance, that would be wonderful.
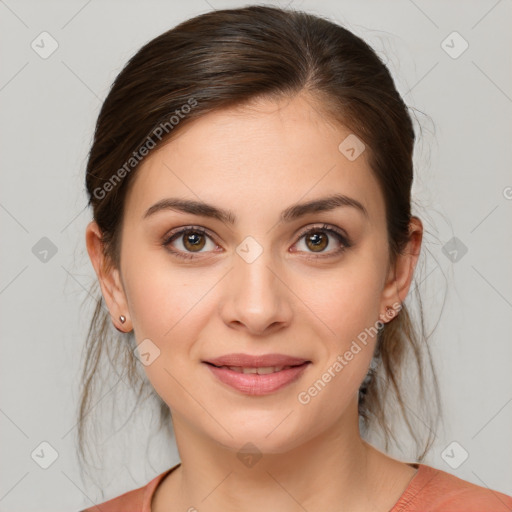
(430, 490)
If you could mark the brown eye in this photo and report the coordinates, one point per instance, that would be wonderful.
(317, 241)
(193, 241)
(186, 242)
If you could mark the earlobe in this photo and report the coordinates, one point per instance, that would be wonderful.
(108, 276)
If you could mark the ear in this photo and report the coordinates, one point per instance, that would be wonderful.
(108, 277)
(401, 274)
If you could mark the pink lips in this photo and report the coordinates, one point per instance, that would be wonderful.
(248, 361)
(253, 383)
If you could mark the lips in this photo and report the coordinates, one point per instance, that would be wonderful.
(256, 361)
(257, 383)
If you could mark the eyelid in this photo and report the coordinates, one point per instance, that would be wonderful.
(326, 227)
(339, 233)
(167, 238)
(180, 231)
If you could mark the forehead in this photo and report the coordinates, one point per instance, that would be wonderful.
(268, 155)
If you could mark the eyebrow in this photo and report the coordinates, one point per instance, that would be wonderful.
(291, 213)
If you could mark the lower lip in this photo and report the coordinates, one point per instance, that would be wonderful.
(254, 384)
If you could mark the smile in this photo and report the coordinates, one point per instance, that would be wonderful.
(258, 381)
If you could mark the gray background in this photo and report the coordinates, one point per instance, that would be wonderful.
(463, 186)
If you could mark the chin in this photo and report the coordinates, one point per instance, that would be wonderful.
(266, 437)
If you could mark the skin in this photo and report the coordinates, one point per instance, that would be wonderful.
(273, 155)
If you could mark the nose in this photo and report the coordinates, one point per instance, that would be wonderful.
(257, 297)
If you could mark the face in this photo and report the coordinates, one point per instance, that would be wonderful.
(311, 285)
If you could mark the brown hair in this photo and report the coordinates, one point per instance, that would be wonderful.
(227, 58)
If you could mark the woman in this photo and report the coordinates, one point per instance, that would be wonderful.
(250, 180)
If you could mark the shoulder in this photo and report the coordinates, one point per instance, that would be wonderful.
(131, 500)
(438, 491)
(136, 500)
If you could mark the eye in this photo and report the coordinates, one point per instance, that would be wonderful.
(316, 239)
(191, 239)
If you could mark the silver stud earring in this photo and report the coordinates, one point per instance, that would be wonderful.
(122, 319)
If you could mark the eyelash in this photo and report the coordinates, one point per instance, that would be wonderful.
(346, 244)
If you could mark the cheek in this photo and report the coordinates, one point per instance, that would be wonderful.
(345, 309)
(169, 309)
(159, 294)
(152, 303)
(346, 300)
(347, 345)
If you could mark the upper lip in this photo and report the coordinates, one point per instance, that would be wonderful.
(259, 361)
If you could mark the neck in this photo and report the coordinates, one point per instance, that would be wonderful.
(334, 469)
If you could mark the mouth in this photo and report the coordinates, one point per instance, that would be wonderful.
(257, 381)
(263, 370)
